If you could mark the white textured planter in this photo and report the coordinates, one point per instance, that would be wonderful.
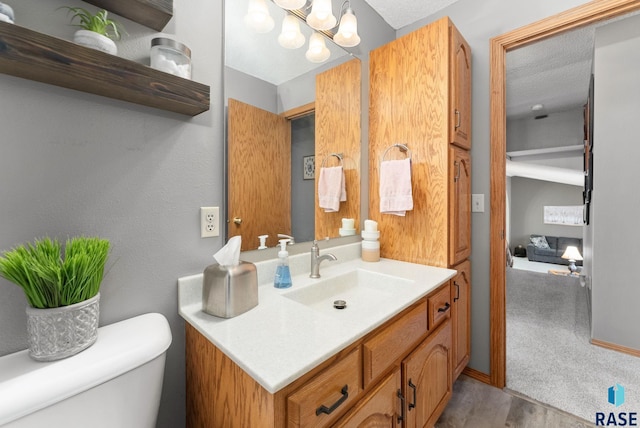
(58, 333)
(94, 40)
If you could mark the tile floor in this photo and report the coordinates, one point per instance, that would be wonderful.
(477, 405)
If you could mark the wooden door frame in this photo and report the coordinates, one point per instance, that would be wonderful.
(580, 16)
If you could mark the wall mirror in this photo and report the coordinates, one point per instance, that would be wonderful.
(270, 96)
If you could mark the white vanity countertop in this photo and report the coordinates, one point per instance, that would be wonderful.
(280, 339)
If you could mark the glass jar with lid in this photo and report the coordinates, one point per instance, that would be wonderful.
(171, 57)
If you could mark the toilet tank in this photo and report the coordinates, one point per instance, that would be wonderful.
(117, 382)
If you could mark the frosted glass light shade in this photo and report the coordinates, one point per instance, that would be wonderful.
(258, 17)
(347, 35)
(321, 16)
(317, 51)
(291, 4)
(291, 37)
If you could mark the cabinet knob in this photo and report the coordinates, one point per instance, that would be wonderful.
(237, 220)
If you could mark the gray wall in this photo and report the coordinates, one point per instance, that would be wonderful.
(559, 129)
(250, 90)
(73, 163)
(528, 198)
(479, 21)
(615, 202)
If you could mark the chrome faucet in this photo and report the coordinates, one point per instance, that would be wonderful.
(316, 259)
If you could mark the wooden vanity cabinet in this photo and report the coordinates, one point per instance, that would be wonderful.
(461, 318)
(459, 205)
(460, 90)
(370, 384)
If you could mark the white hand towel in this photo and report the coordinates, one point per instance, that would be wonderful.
(395, 187)
(331, 188)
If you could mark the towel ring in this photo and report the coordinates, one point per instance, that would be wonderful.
(338, 155)
(402, 147)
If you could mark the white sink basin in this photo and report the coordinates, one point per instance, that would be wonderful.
(362, 290)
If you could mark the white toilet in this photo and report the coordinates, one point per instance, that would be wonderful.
(116, 383)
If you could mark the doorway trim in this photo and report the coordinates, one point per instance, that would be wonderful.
(580, 16)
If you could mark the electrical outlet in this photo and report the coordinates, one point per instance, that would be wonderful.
(209, 222)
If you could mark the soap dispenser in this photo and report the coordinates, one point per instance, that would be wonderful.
(283, 274)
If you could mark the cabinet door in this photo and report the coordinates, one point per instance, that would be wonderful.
(427, 380)
(459, 205)
(460, 90)
(379, 409)
(461, 317)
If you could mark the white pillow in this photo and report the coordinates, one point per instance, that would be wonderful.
(539, 242)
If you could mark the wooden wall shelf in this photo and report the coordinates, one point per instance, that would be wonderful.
(151, 13)
(31, 55)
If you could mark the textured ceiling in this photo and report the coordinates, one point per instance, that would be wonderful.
(400, 13)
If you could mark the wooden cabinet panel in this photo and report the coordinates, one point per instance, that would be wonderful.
(393, 341)
(459, 205)
(337, 130)
(439, 305)
(461, 317)
(334, 390)
(379, 409)
(427, 379)
(460, 75)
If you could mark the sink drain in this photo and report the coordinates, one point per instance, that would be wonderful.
(340, 304)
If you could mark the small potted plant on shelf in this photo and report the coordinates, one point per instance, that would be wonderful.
(96, 31)
(62, 292)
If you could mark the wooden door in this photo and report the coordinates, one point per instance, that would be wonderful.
(426, 378)
(460, 81)
(259, 168)
(459, 205)
(461, 317)
(380, 409)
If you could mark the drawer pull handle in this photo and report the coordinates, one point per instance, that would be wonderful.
(329, 410)
(457, 119)
(412, 386)
(455, 299)
(445, 308)
(401, 397)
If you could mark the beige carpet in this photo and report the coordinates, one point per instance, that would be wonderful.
(549, 357)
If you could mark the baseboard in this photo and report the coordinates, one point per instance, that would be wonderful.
(477, 375)
(614, 347)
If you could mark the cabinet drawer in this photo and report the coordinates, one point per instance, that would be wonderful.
(393, 341)
(326, 396)
(439, 306)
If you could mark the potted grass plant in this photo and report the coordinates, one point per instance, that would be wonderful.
(96, 31)
(63, 292)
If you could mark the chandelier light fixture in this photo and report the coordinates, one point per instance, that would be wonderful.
(320, 18)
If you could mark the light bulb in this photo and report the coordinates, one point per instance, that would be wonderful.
(321, 16)
(317, 51)
(291, 4)
(347, 35)
(291, 37)
(258, 17)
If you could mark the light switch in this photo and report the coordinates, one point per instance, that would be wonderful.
(477, 203)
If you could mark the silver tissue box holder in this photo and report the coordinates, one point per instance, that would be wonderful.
(228, 291)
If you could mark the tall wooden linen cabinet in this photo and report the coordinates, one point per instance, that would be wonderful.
(420, 96)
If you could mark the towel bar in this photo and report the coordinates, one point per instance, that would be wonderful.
(402, 148)
(338, 155)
